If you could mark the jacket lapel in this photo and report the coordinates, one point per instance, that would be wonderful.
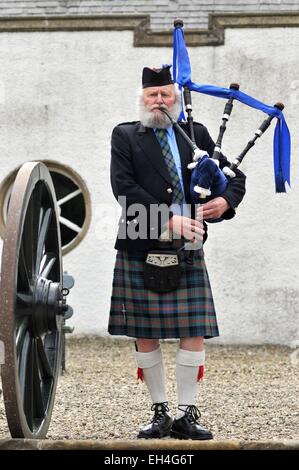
(147, 140)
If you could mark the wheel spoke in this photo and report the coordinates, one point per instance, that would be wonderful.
(47, 264)
(38, 211)
(21, 335)
(42, 238)
(23, 275)
(51, 346)
(23, 305)
(69, 196)
(70, 224)
(41, 216)
(25, 298)
(39, 409)
(46, 368)
(29, 240)
(26, 378)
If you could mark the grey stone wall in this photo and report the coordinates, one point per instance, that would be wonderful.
(61, 94)
(194, 12)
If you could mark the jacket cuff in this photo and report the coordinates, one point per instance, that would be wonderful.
(230, 212)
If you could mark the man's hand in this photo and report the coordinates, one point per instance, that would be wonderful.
(190, 229)
(212, 209)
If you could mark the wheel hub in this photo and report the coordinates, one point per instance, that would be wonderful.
(47, 306)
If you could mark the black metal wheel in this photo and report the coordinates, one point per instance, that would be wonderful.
(32, 305)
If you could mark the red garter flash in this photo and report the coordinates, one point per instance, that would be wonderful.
(140, 374)
(200, 373)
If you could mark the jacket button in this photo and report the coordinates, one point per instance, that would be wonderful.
(169, 190)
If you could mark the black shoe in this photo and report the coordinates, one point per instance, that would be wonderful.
(187, 426)
(160, 425)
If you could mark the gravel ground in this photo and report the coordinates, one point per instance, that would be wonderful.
(249, 392)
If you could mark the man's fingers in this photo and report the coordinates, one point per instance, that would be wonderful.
(208, 205)
(194, 239)
(200, 230)
(189, 228)
(196, 229)
(199, 211)
(214, 208)
(208, 208)
(198, 235)
(210, 213)
(196, 223)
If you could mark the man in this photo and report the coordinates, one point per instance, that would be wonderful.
(149, 168)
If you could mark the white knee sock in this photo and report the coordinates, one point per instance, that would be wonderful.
(152, 366)
(187, 373)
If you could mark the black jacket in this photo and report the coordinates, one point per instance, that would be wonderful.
(138, 172)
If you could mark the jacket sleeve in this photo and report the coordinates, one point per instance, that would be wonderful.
(235, 190)
(125, 188)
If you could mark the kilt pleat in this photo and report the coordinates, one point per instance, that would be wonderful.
(140, 313)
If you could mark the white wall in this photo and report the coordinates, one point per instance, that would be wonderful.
(61, 93)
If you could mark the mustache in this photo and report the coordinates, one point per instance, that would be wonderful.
(158, 106)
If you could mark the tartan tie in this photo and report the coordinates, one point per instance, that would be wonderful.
(178, 195)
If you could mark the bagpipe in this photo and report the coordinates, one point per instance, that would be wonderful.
(208, 180)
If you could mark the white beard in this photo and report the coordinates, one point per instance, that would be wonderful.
(153, 119)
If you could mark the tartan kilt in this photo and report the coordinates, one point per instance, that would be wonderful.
(141, 313)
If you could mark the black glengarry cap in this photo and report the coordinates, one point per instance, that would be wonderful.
(156, 77)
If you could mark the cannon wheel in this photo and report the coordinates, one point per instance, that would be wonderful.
(31, 305)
